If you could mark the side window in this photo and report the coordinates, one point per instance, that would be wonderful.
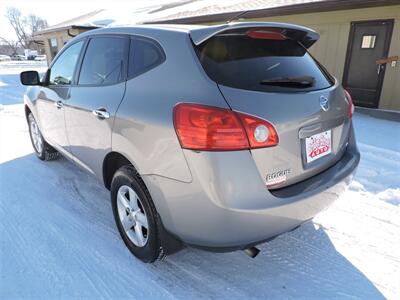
(103, 61)
(144, 54)
(62, 70)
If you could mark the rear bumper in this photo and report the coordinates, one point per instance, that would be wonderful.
(227, 206)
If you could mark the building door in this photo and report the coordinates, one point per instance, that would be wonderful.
(369, 41)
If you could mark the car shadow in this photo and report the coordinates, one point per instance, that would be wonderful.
(65, 243)
(302, 264)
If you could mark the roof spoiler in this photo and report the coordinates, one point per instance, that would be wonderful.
(306, 36)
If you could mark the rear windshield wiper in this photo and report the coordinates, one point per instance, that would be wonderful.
(302, 81)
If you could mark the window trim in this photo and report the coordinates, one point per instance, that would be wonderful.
(74, 73)
(124, 65)
(152, 41)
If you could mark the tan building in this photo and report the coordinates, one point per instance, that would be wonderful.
(359, 40)
(349, 48)
(55, 37)
(359, 43)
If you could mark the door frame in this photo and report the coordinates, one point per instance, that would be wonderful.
(385, 54)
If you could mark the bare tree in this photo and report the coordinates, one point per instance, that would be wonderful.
(24, 26)
(9, 46)
(35, 23)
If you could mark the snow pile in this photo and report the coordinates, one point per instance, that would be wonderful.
(17, 66)
(378, 172)
(390, 195)
(58, 238)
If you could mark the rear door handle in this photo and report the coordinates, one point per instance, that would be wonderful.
(58, 104)
(101, 113)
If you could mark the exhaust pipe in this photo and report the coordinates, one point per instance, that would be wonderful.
(252, 251)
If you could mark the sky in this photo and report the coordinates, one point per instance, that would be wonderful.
(56, 11)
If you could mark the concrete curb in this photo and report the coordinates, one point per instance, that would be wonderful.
(390, 115)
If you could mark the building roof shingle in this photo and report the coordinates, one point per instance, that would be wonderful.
(208, 11)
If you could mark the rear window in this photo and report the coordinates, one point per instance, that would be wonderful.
(267, 65)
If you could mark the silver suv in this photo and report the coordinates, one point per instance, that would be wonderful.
(219, 137)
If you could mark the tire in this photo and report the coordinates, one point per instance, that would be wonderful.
(148, 247)
(42, 149)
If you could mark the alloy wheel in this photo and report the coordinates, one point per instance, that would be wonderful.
(132, 216)
(37, 138)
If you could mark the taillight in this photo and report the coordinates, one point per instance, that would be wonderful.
(350, 111)
(201, 127)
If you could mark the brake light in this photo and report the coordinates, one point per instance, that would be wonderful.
(201, 127)
(265, 35)
(351, 105)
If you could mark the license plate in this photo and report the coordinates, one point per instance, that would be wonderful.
(318, 145)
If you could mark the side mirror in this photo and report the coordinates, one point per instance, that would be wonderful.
(30, 78)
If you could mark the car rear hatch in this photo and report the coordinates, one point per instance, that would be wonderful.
(264, 69)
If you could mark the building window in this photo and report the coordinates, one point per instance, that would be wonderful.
(53, 47)
(368, 42)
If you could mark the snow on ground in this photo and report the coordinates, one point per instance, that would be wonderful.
(58, 238)
(11, 91)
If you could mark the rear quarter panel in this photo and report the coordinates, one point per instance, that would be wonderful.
(143, 129)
